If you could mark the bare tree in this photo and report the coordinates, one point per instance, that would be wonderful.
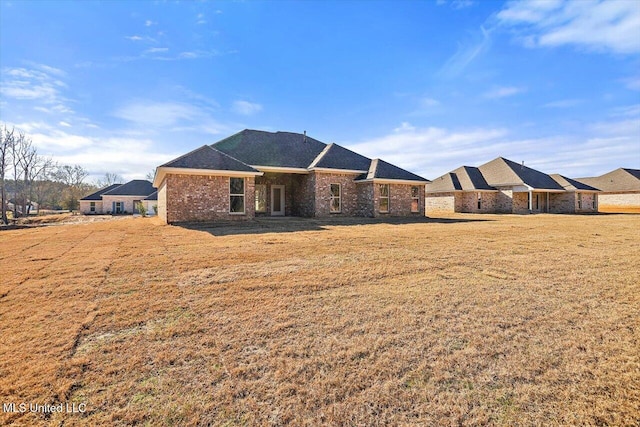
(6, 150)
(39, 176)
(151, 175)
(73, 177)
(109, 179)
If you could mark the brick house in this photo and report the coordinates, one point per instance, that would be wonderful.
(504, 186)
(256, 173)
(619, 190)
(118, 198)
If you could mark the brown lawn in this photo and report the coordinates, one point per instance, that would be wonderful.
(469, 320)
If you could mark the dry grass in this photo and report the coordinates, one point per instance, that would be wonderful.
(516, 320)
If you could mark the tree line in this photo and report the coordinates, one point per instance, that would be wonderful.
(28, 178)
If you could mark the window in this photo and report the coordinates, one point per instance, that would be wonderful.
(261, 198)
(336, 199)
(118, 208)
(415, 199)
(579, 200)
(236, 195)
(479, 200)
(384, 198)
(537, 202)
(92, 207)
(593, 201)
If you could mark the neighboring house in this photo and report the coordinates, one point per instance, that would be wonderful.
(117, 198)
(151, 203)
(619, 190)
(256, 173)
(92, 204)
(504, 186)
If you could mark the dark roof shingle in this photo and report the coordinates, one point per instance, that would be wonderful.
(337, 157)
(207, 157)
(276, 149)
(503, 171)
(137, 187)
(621, 179)
(98, 194)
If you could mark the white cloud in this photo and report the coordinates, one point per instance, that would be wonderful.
(65, 124)
(632, 83)
(457, 4)
(246, 108)
(503, 92)
(156, 50)
(466, 54)
(154, 116)
(563, 103)
(30, 84)
(607, 26)
(434, 151)
(200, 19)
(149, 23)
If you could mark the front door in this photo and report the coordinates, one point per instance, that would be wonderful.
(277, 200)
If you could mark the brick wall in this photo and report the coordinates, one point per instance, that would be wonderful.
(203, 198)
(127, 203)
(399, 200)
(365, 199)
(298, 192)
(469, 202)
(348, 195)
(85, 207)
(622, 200)
(442, 202)
(587, 203)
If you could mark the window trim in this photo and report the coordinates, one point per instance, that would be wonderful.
(265, 198)
(579, 200)
(416, 198)
(332, 198)
(387, 197)
(479, 200)
(92, 206)
(243, 195)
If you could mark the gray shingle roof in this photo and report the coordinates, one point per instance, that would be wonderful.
(137, 187)
(337, 157)
(465, 178)
(152, 196)
(503, 171)
(379, 169)
(207, 157)
(571, 184)
(621, 179)
(98, 194)
(276, 149)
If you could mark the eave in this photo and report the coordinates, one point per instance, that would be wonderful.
(162, 171)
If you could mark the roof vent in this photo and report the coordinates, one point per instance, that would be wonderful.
(304, 139)
(522, 165)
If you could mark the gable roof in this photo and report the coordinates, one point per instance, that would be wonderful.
(207, 157)
(465, 178)
(621, 179)
(379, 169)
(571, 184)
(335, 156)
(137, 187)
(276, 149)
(98, 194)
(503, 171)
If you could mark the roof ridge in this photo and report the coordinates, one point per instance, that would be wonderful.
(320, 155)
(183, 156)
(373, 167)
(229, 156)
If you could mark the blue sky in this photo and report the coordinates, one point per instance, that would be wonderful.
(428, 85)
